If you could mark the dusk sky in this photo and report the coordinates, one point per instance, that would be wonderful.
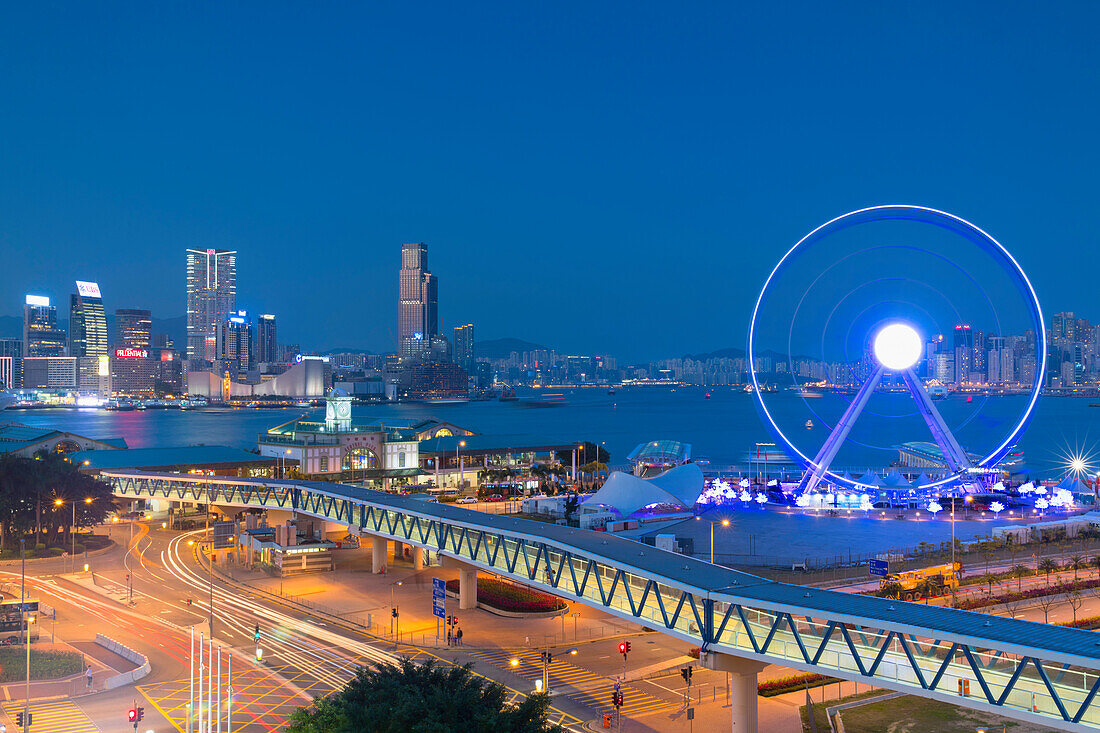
(614, 178)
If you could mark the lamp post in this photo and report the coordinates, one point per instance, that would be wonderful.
(954, 580)
(458, 460)
(72, 528)
(725, 523)
(395, 615)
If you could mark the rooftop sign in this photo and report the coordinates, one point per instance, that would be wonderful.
(87, 289)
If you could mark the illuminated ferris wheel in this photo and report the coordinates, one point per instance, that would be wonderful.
(876, 298)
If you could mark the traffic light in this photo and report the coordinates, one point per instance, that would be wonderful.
(617, 699)
(256, 633)
(141, 714)
(131, 715)
(546, 658)
(624, 648)
(393, 612)
(686, 674)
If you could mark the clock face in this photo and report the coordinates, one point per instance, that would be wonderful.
(343, 409)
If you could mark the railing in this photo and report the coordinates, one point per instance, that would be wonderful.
(1032, 672)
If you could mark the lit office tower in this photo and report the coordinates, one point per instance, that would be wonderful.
(41, 337)
(134, 328)
(265, 339)
(11, 363)
(211, 297)
(418, 301)
(464, 346)
(87, 334)
(234, 344)
(964, 352)
(87, 322)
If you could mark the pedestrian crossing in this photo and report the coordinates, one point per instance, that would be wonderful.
(55, 716)
(587, 688)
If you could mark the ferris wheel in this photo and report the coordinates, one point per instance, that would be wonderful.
(876, 301)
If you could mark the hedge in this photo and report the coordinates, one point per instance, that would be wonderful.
(793, 683)
(45, 665)
(508, 597)
(969, 604)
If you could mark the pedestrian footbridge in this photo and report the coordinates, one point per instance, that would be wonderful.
(1048, 675)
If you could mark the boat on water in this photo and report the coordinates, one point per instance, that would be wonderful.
(555, 399)
(707, 395)
(6, 400)
(611, 391)
(809, 424)
(508, 395)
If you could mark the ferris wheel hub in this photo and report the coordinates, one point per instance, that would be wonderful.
(897, 347)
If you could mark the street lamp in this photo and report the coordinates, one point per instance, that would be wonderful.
(725, 523)
(72, 528)
(395, 617)
(954, 580)
(458, 460)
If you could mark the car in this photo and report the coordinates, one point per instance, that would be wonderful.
(494, 497)
(467, 500)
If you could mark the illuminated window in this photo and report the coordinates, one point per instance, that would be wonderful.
(358, 459)
(401, 459)
(324, 464)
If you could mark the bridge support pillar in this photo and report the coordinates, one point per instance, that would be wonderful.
(418, 558)
(398, 551)
(378, 547)
(467, 588)
(742, 674)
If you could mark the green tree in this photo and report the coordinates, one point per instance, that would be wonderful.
(1048, 566)
(1077, 562)
(1018, 572)
(572, 503)
(422, 698)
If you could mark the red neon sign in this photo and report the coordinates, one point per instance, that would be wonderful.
(131, 353)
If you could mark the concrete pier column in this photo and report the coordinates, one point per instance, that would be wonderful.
(418, 558)
(467, 588)
(398, 550)
(743, 692)
(379, 547)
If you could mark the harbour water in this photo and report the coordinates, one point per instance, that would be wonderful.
(720, 429)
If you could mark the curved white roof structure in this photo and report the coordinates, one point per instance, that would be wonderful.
(626, 493)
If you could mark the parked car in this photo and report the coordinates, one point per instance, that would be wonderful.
(494, 497)
(467, 500)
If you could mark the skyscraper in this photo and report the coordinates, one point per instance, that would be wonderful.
(41, 336)
(134, 328)
(11, 352)
(234, 344)
(464, 346)
(265, 339)
(418, 301)
(964, 352)
(211, 297)
(87, 322)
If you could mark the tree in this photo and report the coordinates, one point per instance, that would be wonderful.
(572, 503)
(1047, 603)
(1048, 566)
(891, 589)
(989, 579)
(1076, 600)
(422, 698)
(1077, 562)
(1018, 572)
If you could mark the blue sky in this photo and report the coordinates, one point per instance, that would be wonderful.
(596, 177)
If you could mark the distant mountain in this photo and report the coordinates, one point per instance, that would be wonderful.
(348, 350)
(502, 348)
(727, 353)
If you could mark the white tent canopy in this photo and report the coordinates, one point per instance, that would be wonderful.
(627, 493)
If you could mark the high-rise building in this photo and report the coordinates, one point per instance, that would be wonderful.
(463, 346)
(234, 344)
(418, 301)
(211, 298)
(87, 334)
(41, 336)
(49, 372)
(12, 348)
(964, 352)
(87, 322)
(266, 348)
(133, 328)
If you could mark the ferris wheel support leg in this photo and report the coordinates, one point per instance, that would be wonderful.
(953, 454)
(836, 438)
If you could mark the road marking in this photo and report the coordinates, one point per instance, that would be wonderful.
(60, 716)
(588, 688)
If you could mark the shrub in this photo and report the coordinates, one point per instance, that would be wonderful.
(792, 683)
(508, 597)
(695, 651)
(45, 665)
(969, 604)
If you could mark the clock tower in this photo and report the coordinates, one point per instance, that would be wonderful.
(338, 412)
